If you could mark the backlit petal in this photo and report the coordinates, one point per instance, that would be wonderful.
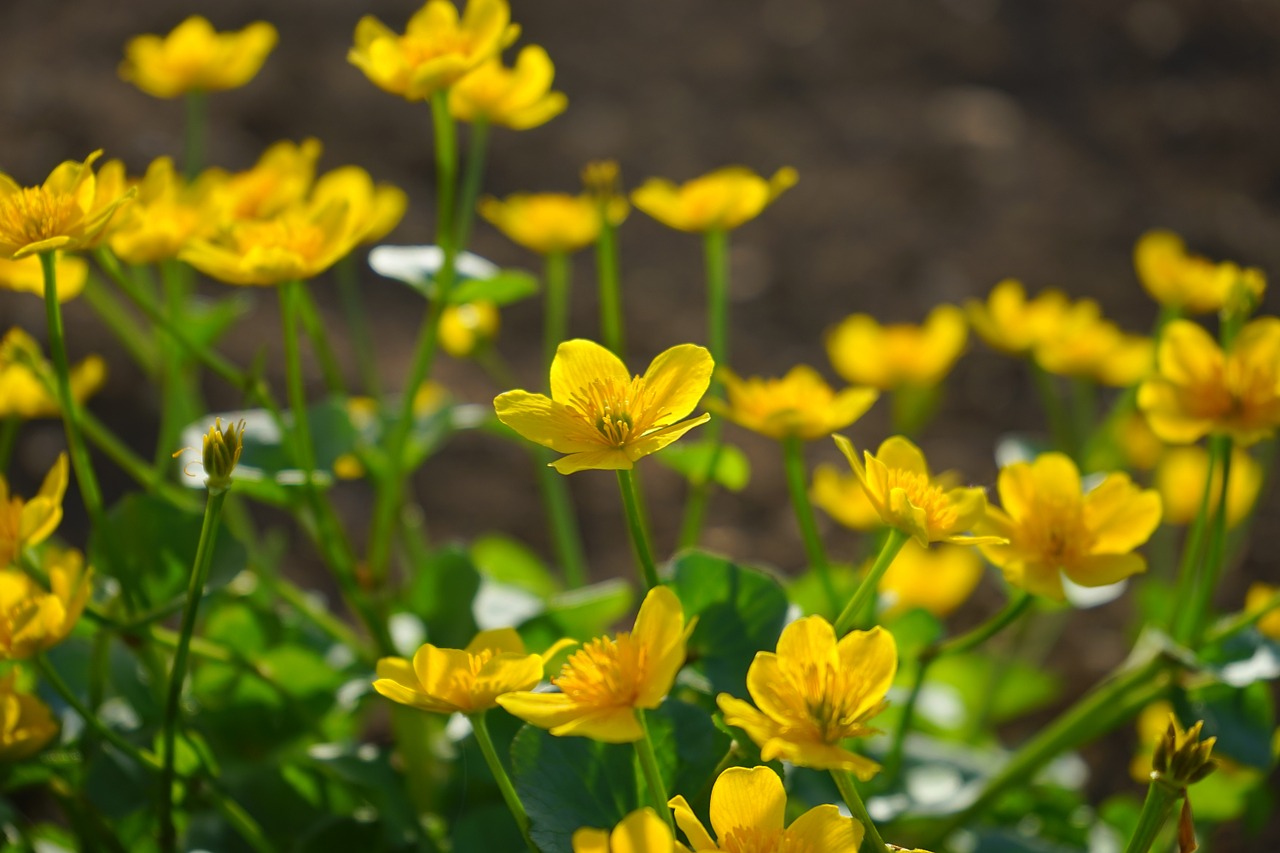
(824, 828)
(677, 378)
(747, 797)
(690, 825)
(580, 362)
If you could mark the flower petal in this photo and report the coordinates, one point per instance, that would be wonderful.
(677, 378)
(1104, 569)
(578, 363)
(748, 798)
(1120, 515)
(544, 421)
(824, 828)
(690, 825)
(612, 459)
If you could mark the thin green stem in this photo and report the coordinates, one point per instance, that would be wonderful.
(313, 323)
(609, 276)
(1189, 566)
(798, 485)
(129, 333)
(477, 149)
(636, 526)
(849, 793)
(358, 325)
(1060, 425)
(1015, 607)
(866, 590)
(9, 428)
(91, 720)
(1216, 553)
(179, 405)
(1155, 814)
(509, 795)
(652, 775)
(565, 533)
(555, 321)
(193, 147)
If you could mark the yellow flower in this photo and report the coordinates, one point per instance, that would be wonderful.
(748, 812)
(25, 523)
(841, 496)
(26, 724)
(604, 682)
(463, 681)
(373, 209)
(1130, 361)
(1083, 343)
(196, 58)
(601, 416)
(718, 201)
(800, 404)
(545, 222)
(815, 692)
(1054, 528)
(642, 831)
(23, 395)
(1198, 389)
(888, 357)
(167, 213)
(468, 328)
(33, 619)
(519, 97)
(1255, 599)
(1179, 478)
(281, 178)
(1010, 322)
(436, 50)
(27, 276)
(66, 212)
(1178, 279)
(937, 579)
(907, 497)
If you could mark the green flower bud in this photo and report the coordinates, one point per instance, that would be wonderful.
(221, 453)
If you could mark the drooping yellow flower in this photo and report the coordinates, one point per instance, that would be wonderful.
(27, 276)
(718, 201)
(1011, 323)
(840, 495)
(24, 523)
(815, 692)
(468, 328)
(748, 813)
(600, 415)
(281, 178)
(605, 681)
(1178, 279)
(642, 831)
(26, 724)
(1255, 599)
(436, 50)
(545, 222)
(888, 357)
(937, 579)
(1180, 475)
(907, 497)
(196, 58)
(167, 214)
(23, 395)
(800, 404)
(33, 619)
(66, 212)
(519, 97)
(1054, 528)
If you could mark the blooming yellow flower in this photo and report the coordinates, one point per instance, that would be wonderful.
(545, 222)
(642, 831)
(23, 395)
(24, 523)
(1178, 279)
(26, 724)
(718, 201)
(33, 619)
(27, 276)
(467, 328)
(1054, 528)
(603, 683)
(1084, 343)
(1198, 389)
(281, 178)
(436, 50)
(66, 212)
(888, 357)
(815, 692)
(519, 97)
(600, 415)
(1255, 599)
(748, 812)
(1179, 478)
(374, 209)
(1010, 322)
(167, 213)
(800, 404)
(937, 579)
(196, 58)
(907, 497)
(840, 495)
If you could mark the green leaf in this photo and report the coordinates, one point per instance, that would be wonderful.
(510, 562)
(692, 458)
(1003, 689)
(688, 745)
(441, 594)
(505, 288)
(206, 320)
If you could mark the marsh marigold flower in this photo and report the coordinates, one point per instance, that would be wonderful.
(374, 209)
(1084, 343)
(282, 177)
(642, 831)
(166, 214)
(26, 724)
(718, 201)
(1010, 322)
(748, 813)
(888, 357)
(27, 275)
(23, 395)
(1180, 475)
(33, 619)
(600, 415)
(800, 404)
(519, 98)
(436, 50)
(1255, 599)
(196, 58)
(1055, 528)
(545, 222)
(467, 328)
(66, 212)
(1178, 279)
(1198, 389)
(937, 579)
(840, 495)
(815, 692)
(24, 523)
(605, 681)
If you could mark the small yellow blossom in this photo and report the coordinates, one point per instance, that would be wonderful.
(1080, 342)
(815, 692)
(800, 404)
(519, 98)
(840, 495)
(23, 394)
(66, 212)
(196, 58)
(27, 275)
(374, 209)
(719, 201)
(545, 222)
(1011, 323)
(937, 579)
(600, 415)
(24, 523)
(898, 484)
(1198, 389)
(1179, 478)
(642, 831)
(33, 619)
(1255, 599)
(605, 681)
(468, 328)
(281, 178)
(167, 213)
(1177, 279)
(26, 724)
(748, 813)
(1054, 528)
(889, 357)
(436, 50)
(1130, 361)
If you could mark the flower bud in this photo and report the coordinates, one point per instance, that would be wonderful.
(1182, 759)
(221, 453)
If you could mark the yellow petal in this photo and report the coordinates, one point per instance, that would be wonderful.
(578, 363)
(642, 831)
(588, 840)
(1188, 355)
(898, 452)
(655, 441)
(677, 379)
(1121, 516)
(824, 828)
(544, 710)
(873, 657)
(1104, 569)
(690, 825)
(499, 639)
(543, 421)
(745, 798)
(607, 725)
(660, 630)
(612, 459)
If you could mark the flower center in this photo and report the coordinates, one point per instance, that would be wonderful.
(924, 494)
(34, 214)
(614, 408)
(419, 49)
(751, 839)
(606, 672)
(1054, 531)
(281, 236)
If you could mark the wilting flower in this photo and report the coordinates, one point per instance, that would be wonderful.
(68, 211)
(519, 97)
(1198, 389)
(719, 201)
(642, 831)
(436, 50)
(468, 328)
(888, 357)
(281, 178)
(26, 724)
(605, 681)
(545, 222)
(748, 813)
(1180, 480)
(937, 579)
(1255, 599)
(800, 404)
(600, 415)
(23, 394)
(33, 619)
(907, 497)
(1010, 322)
(815, 692)
(24, 523)
(196, 58)
(1178, 279)
(27, 275)
(167, 213)
(1054, 528)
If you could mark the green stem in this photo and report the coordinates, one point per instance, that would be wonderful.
(169, 724)
(1015, 607)
(1084, 412)
(1189, 567)
(636, 526)
(866, 591)
(565, 533)
(695, 508)
(1241, 621)
(91, 720)
(608, 274)
(1201, 601)
(129, 333)
(1155, 813)
(798, 486)
(555, 323)
(476, 150)
(179, 405)
(193, 150)
(849, 792)
(241, 821)
(9, 429)
(313, 323)
(1059, 422)
(509, 795)
(652, 775)
(358, 325)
